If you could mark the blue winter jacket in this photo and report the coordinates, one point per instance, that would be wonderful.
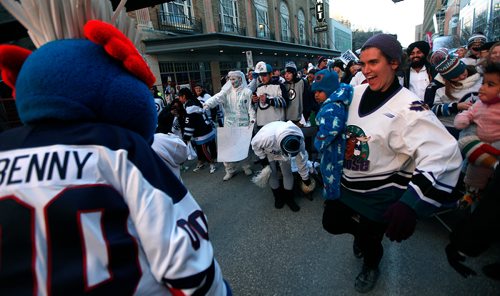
(330, 140)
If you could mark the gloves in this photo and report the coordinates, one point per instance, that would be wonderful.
(454, 259)
(255, 75)
(308, 185)
(402, 221)
(264, 162)
(479, 153)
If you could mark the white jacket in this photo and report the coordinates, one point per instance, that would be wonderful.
(237, 104)
(266, 143)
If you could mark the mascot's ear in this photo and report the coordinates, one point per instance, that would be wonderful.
(12, 58)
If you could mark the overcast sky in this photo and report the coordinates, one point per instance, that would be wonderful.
(395, 18)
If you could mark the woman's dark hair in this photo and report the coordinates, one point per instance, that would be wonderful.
(165, 121)
(491, 68)
(348, 76)
(190, 98)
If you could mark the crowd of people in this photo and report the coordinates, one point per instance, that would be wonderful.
(392, 127)
(91, 189)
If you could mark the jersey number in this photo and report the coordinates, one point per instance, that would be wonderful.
(66, 266)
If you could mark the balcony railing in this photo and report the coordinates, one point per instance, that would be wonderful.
(178, 22)
(231, 28)
(315, 43)
(287, 38)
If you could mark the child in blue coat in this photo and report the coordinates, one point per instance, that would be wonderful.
(330, 140)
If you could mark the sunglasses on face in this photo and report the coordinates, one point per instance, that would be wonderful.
(476, 48)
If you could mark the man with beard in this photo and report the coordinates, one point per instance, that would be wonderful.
(420, 73)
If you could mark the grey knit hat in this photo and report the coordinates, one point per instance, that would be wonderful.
(388, 44)
(291, 67)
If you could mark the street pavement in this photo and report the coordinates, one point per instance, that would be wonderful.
(266, 251)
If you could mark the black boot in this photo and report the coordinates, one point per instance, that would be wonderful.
(279, 202)
(492, 271)
(289, 196)
(356, 250)
(366, 279)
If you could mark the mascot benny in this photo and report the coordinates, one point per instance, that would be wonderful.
(85, 205)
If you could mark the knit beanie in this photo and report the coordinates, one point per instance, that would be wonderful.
(321, 58)
(291, 67)
(325, 80)
(448, 65)
(422, 45)
(477, 39)
(388, 44)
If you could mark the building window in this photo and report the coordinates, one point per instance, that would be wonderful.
(178, 12)
(495, 22)
(262, 19)
(184, 74)
(342, 40)
(229, 16)
(314, 35)
(302, 27)
(481, 17)
(286, 34)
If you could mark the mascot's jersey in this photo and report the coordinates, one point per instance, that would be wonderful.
(79, 217)
(400, 144)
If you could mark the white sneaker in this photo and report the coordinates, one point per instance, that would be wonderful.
(227, 176)
(198, 167)
(248, 171)
(212, 168)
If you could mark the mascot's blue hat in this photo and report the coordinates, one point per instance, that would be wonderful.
(76, 80)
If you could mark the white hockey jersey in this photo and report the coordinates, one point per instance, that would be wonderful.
(90, 208)
(401, 144)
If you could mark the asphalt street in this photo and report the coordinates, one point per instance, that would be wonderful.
(266, 251)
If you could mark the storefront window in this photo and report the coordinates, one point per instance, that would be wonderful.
(184, 73)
